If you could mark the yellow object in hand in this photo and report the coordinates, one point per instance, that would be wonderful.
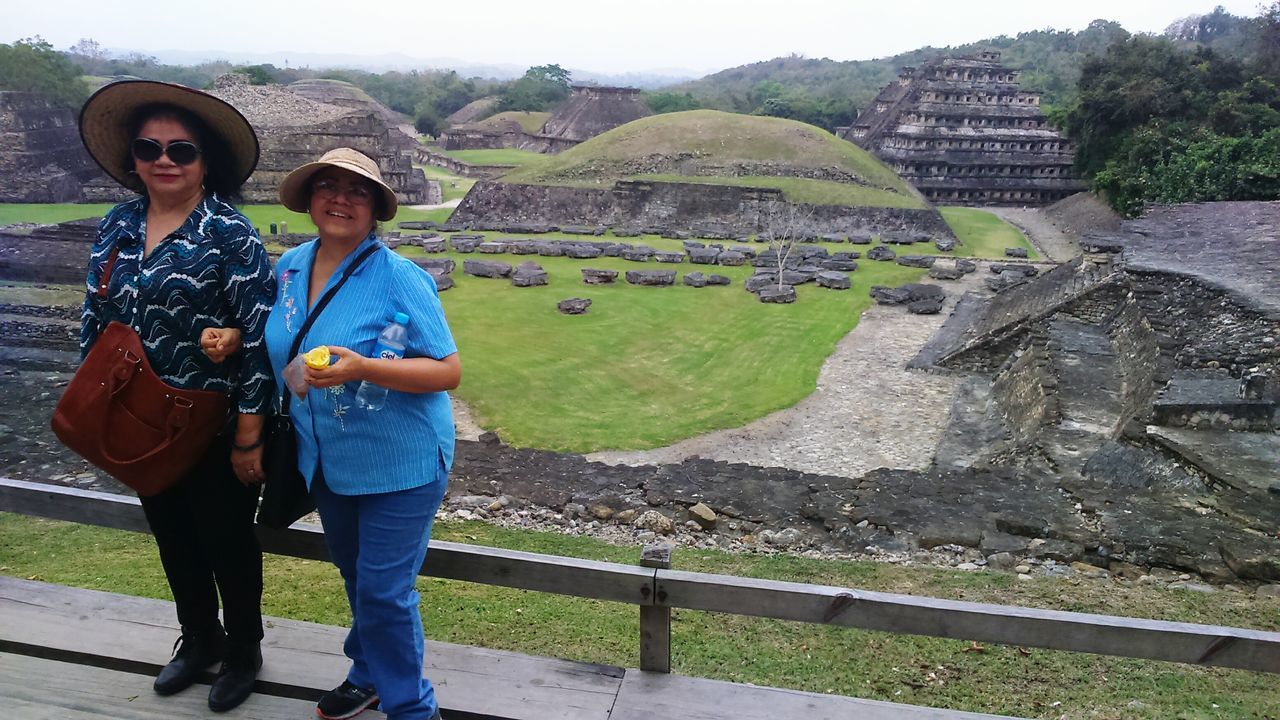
(317, 358)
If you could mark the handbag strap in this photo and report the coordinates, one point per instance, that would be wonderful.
(315, 313)
(106, 271)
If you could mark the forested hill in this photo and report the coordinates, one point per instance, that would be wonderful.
(829, 93)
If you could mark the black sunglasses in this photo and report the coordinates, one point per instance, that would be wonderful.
(181, 152)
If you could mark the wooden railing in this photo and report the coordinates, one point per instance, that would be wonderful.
(656, 589)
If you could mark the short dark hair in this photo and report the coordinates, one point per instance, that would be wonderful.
(220, 177)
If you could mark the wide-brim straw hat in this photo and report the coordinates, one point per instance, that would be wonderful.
(105, 118)
(295, 191)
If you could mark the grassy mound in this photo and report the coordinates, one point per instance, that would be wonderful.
(530, 122)
(709, 146)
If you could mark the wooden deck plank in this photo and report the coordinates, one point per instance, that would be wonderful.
(648, 695)
(300, 659)
(39, 689)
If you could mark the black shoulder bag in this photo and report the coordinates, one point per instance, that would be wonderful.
(285, 497)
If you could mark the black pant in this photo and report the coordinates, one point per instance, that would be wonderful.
(204, 528)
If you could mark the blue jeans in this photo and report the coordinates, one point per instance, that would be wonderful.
(378, 543)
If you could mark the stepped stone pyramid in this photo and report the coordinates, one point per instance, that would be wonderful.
(962, 131)
(591, 110)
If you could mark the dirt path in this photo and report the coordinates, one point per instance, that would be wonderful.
(868, 411)
(1052, 243)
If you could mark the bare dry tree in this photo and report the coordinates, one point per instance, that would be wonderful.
(785, 225)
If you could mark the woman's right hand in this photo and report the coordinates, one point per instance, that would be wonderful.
(220, 343)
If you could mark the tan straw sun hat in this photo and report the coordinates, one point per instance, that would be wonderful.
(295, 191)
(106, 115)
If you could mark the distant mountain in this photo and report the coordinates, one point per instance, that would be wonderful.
(401, 62)
(1050, 62)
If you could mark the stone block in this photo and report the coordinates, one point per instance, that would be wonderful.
(573, 306)
(882, 253)
(486, 268)
(695, 279)
(834, 280)
(593, 276)
(772, 294)
(652, 278)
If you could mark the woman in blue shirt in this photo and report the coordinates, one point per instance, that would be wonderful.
(187, 267)
(377, 476)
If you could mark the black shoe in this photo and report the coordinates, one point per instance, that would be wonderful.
(196, 650)
(346, 701)
(236, 679)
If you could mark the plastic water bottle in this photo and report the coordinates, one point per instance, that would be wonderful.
(390, 347)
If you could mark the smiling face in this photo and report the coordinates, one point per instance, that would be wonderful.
(342, 205)
(164, 179)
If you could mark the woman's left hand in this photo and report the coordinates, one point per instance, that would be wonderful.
(220, 343)
(247, 465)
(346, 366)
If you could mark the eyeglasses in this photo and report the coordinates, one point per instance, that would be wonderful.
(181, 152)
(328, 189)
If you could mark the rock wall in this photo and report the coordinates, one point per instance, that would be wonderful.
(293, 130)
(1023, 389)
(1202, 327)
(676, 206)
(41, 158)
(1138, 352)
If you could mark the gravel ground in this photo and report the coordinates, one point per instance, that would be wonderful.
(1045, 236)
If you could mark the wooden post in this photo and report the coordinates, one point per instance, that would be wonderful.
(655, 620)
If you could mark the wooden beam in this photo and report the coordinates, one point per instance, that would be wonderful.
(455, 561)
(1207, 645)
(655, 620)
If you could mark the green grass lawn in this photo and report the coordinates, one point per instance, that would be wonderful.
(506, 156)
(983, 233)
(645, 366)
(452, 186)
(260, 215)
(804, 190)
(898, 668)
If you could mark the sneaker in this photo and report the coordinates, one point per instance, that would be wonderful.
(195, 651)
(346, 701)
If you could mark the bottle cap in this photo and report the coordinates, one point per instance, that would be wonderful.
(402, 318)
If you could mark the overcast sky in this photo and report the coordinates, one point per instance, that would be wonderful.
(695, 36)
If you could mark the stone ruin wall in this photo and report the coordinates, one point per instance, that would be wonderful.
(41, 158)
(675, 206)
(1138, 355)
(1202, 327)
(1021, 390)
(285, 148)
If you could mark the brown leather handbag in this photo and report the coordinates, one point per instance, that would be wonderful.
(119, 415)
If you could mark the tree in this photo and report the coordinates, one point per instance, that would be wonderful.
(783, 226)
(90, 56)
(541, 87)
(669, 102)
(258, 74)
(33, 65)
(1266, 54)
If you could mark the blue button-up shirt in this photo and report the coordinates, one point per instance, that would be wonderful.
(210, 272)
(409, 441)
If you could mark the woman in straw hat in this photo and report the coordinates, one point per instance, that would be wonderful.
(188, 268)
(377, 475)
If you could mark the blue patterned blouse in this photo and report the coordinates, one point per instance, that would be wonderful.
(210, 272)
